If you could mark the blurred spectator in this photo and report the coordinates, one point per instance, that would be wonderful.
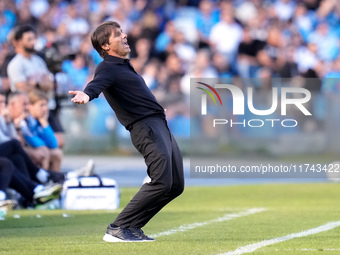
(247, 11)
(326, 42)
(25, 16)
(304, 20)
(27, 71)
(286, 66)
(134, 35)
(120, 15)
(305, 57)
(18, 106)
(77, 71)
(202, 67)
(268, 55)
(142, 47)
(183, 49)
(73, 26)
(221, 65)
(7, 128)
(37, 132)
(150, 74)
(7, 11)
(149, 23)
(6, 55)
(164, 38)
(103, 8)
(226, 35)
(174, 65)
(137, 10)
(207, 17)
(247, 52)
(202, 64)
(91, 56)
(331, 82)
(312, 81)
(284, 9)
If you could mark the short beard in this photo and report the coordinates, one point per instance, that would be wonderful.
(29, 50)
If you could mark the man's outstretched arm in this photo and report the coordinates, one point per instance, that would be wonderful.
(80, 97)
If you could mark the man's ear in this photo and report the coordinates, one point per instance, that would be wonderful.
(105, 47)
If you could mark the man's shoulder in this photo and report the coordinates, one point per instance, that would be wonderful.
(104, 66)
(16, 60)
(37, 60)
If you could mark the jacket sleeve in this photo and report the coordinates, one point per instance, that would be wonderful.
(48, 136)
(31, 139)
(4, 137)
(103, 79)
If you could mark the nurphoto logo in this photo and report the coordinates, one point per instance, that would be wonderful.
(301, 96)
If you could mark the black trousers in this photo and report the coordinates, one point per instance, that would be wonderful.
(14, 151)
(11, 177)
(153, 139)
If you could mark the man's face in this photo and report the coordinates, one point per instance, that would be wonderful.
(18, 106)
(27, 41)
(117, 45)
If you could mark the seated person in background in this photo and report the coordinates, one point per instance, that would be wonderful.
(13, 151)
(11, 148)
(6, 204)
(27, 71)
(7, 128)
(41, 144)
(18, 111)
(39, 134)
(32, 192)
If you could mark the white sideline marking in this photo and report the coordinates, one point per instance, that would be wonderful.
(252, 247)
(305, 249)
(226, 217)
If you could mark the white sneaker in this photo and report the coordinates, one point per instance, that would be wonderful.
(86, 170)
(48, 193)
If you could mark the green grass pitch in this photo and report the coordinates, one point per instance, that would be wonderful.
(291, 208)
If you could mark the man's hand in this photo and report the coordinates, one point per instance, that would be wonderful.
(80, 97)
(5, 113)
(18, 120)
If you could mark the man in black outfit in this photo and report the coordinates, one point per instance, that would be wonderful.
(138, 110)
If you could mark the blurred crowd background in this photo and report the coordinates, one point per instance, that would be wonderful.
(172, 41)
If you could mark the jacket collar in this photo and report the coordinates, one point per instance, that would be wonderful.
(116, 59)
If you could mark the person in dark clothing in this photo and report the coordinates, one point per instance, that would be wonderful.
(138, 110)
(5, 170)
(33, 192)
(15, 153)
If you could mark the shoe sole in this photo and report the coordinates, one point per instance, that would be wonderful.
(113, 239)
(9, 206)
(55, 194)
(148, 240)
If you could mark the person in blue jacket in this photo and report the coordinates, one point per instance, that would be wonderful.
(38, 133)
